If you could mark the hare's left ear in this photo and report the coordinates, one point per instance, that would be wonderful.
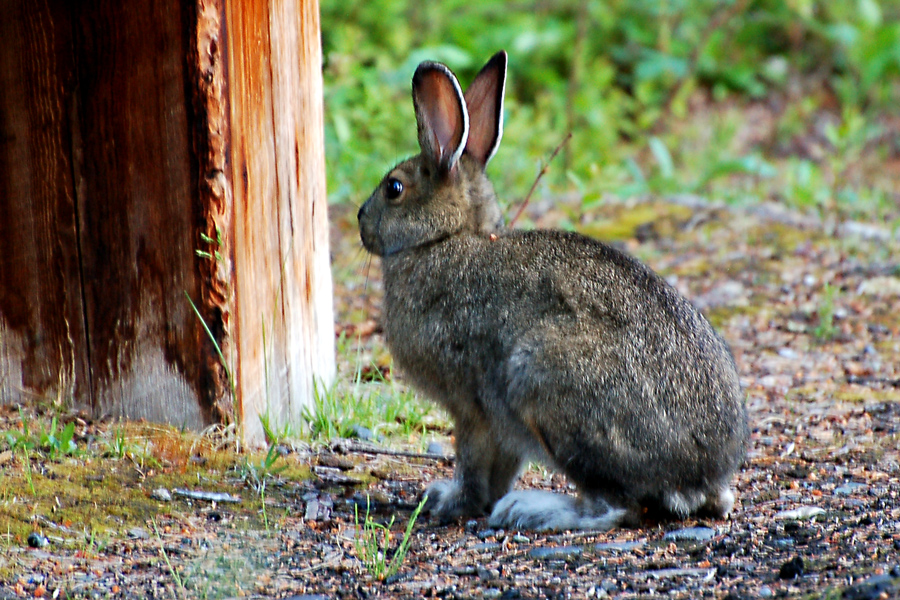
(484, 100)
(440, 115)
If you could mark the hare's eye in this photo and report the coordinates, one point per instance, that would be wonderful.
(393, 189)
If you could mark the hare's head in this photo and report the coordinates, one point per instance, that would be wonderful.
(442, 191)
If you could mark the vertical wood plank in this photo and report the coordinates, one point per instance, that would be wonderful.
(134, 183)
(283, 281)
(259, 325)
(43, 349)
(300, 154)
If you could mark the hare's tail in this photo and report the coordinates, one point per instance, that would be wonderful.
(547, 511)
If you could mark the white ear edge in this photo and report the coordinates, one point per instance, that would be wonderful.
(454, 158)
(499, 115)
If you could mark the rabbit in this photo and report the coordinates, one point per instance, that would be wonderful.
(543, 345)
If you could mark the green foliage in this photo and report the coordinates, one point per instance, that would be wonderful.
(617, 74)
(214, 245)
(373, 543)
(380, 405)
(825, 330)
(176, 576)
(118, 446)
(52, 442)
(58, 443)
(257, 475)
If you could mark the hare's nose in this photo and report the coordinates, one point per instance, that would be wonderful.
(362, 211)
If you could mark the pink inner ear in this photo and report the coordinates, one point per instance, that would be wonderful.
(483, 131)
(484, 100)
(448, 123)
(441, 108)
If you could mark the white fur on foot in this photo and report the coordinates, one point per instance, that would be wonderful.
(722, 503)
(546, 511)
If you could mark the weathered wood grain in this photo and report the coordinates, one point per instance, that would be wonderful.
(212, 126)
(135, 197)
(43, 349)
(133, 135)
(283, 281)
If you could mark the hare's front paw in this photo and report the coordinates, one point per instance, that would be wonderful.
(446, 501)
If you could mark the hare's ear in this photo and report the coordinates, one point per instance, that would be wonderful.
(484, 100)
(440, 114)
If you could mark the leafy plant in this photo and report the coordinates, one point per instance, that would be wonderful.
(21, 440)
(378, 405)
(117, 447)
(214, 244)
(374, 541)
(55, 442)
(257, 476)
(59, 443)
(826, 330)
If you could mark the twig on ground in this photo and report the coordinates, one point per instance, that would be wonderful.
(208, 496)
(347, 446)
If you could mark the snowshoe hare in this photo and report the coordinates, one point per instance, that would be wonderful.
(543, 345)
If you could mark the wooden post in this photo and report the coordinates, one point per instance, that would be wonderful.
(283, 281)
(133, 135)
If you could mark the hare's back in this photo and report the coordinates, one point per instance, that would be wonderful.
(588, 280)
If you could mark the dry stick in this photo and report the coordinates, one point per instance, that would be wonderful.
(538, 179)
(348, 446)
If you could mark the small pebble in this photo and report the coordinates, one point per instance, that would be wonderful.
(283, 449)
(874, 588)
(787, 353)
(555, 553)
(609, 586)
(161, 494)
(521, 539)
(849, 488)
(138, 533)
(435, 448)
(766, 592)
(364, 433)
(792, 569)
(491, 593)
(618, 546)
(486, 547)
(36, 540)
(693, 534)
(799, 514)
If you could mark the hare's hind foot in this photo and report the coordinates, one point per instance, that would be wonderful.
(547, 511)
(719, 504)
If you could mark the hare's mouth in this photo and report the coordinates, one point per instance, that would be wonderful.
(370, 240)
